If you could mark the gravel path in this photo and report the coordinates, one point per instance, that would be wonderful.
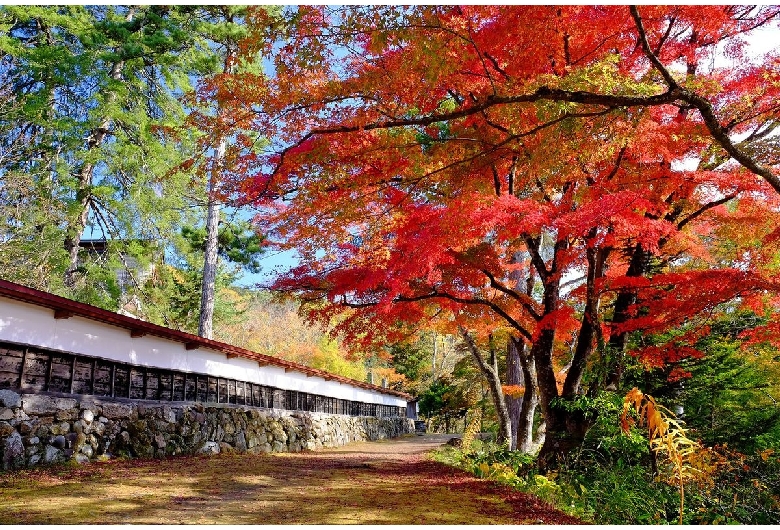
(384, 482)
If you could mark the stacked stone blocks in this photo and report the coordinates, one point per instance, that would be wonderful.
(38, 429)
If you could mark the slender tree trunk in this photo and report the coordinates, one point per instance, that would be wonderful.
(617, 341)
(586, 338)
(433, 359)
(76, 226)
(490, 371)
(523, 416)
(514, 376)
(210, 262)
(528, 443)
(522, 370)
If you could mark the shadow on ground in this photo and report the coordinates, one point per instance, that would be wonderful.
(385, 482)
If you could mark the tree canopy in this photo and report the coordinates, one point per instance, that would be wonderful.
(431, 162)
(571, 190)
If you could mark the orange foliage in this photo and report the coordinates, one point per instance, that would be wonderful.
(422, 157)
(513, 391)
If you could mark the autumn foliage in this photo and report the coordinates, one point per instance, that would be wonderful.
(428, 162)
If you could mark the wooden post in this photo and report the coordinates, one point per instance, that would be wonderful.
(113, 378)
(21, 370)
(48, 371)
(72, 373)
(92, 383)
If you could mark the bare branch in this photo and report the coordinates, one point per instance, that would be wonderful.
(704, 208)
(648, 52)
(470, 301)
(525, 301)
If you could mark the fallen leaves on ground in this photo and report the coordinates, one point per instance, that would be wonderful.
(388, 482)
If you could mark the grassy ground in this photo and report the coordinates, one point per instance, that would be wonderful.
(389, 482)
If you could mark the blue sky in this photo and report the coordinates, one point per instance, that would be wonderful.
(272, 263)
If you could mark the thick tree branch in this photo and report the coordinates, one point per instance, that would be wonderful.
(541, 93)
(704, 208)
(470, 301)
(483, 366)
(718, 132)
(532, 243)
(648, 52)
(525, 301)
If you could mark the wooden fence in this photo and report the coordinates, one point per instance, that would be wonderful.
(36, 370)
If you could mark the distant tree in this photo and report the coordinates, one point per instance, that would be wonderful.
(277, 329)
(732, 396)
(412, 360)
(96, 141)
(237, 243)
(91, 99)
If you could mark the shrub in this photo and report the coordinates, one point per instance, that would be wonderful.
(610, 479)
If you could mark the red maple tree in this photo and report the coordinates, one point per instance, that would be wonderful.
(566, 175)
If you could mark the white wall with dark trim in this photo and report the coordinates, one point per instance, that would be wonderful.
(33, 325)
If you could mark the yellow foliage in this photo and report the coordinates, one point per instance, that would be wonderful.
(472, 428)
(389, 374)
(682, 459)
(277, 329)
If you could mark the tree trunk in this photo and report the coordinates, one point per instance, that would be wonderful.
(523, 426)
(433, 359)
(566, 427)
(210, 261)
(76, 227)
(84, 190)
(514, 376)
(557, 439)
(564, 431)
(625, 299)
(521, 370)
(589, 328)
(208, 286)
(490, 371)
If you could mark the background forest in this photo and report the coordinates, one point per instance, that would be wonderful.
(557, 225)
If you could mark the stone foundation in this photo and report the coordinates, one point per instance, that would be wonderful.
(37, 429)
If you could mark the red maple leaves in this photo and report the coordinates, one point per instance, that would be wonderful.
(425, 161)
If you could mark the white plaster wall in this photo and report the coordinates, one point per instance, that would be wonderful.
(24, 323)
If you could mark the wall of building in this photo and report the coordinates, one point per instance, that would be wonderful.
(27, 324)
(79, 383)
(39, 429)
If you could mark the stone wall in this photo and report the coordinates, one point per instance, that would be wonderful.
(38, 429)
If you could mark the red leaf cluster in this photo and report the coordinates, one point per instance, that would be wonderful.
(426, 161)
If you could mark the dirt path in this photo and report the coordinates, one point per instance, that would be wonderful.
(385, 482)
